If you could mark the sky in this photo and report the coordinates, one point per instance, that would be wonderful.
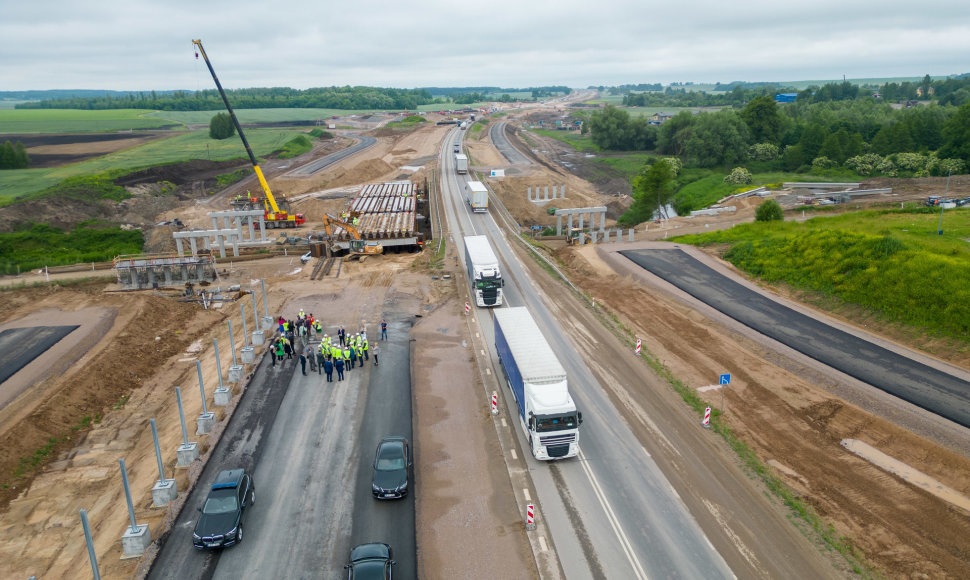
(144, 45)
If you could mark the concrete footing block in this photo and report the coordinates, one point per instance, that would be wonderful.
(266, 323)
(134, 541)
(222, 396)
(164, 492)
(236, 373)
(259, 338)
(186, 454)
(248, 354)
(204, 423)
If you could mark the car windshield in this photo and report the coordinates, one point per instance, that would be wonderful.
(220, 501)
(555, 423)
(390, 457)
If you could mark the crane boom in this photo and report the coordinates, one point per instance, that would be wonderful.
(235, 121)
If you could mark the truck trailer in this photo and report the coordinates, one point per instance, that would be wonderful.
(477, 196)
(537, 380)
(484, 273)
(461, 163)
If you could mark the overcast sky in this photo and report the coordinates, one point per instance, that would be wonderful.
(146, 44)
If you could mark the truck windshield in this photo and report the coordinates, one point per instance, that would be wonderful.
(547, 423)
(485, 283)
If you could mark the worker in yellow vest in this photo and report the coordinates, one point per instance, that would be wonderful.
(364, 348)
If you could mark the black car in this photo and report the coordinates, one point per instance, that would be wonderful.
(220, 524)
(370, 562)
(392, 468)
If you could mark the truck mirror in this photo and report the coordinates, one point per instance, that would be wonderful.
(580, 415)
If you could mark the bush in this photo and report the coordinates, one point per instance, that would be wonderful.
(221, 126)
(823, 162)
(296, 146)
(763, 151)
(913, 162)
(769, 211)
(674, 163)
(739, 176)
(943, 167)
(321, 134)
(864, 164)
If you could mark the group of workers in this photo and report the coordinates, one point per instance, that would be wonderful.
(340, 353)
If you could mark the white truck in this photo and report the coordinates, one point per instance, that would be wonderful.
(461, 163)
(477, 196)
(484, 273)
(464, 125)
(547, 413)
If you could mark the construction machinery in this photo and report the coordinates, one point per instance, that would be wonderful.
(275, 216)
(357, 246)
(578, 237)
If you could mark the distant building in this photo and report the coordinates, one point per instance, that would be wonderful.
(786, 97)
(660, 118)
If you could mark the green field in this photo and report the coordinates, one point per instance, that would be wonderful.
(257, 115)
(182, 146)
(77, 121)
(890, 262)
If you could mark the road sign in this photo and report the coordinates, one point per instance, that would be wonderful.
(725, 379)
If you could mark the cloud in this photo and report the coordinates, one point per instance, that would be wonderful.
(142, 45)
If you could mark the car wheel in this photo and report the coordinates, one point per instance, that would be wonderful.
(239, 535)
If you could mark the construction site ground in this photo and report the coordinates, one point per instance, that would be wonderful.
(89, 405)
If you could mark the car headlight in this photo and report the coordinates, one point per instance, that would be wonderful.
(375, 487)
(196, 536)
(232, 533)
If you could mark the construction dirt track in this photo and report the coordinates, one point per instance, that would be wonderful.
(791, 413)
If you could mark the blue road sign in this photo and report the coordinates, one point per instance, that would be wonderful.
(725, 380)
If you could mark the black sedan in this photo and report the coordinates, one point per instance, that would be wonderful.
(220, 524)
(392, 468)
(370, 562)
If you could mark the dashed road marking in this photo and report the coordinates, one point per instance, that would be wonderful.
(504, 424)
(542, 543)
(514, 454)
(525, 492)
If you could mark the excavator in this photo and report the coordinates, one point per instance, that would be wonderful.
(275, 216)
(358, 247)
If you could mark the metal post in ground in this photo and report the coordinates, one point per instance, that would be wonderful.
(232, 343)
(165, 490)
(267, 322)
(92, 557)
(187, 451)
(236, 370)
(222, 395)
(206, 420)
(247, 353)
(136, 538)
(259, 337)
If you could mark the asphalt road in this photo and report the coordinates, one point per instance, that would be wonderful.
(505, 147)
(20, 346)
(912, 381)
(310, 445)
(319, 164)
(611, 512)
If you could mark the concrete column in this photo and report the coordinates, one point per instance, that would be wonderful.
(546, 193)
(215, 222)
(594, 236)
(178, 246)
(602, 220)
(528, 193)
(581, 217)
(262, 228)
(558, 225)
(249, 225)
(569, 225)
(195, 249)
(630, 235)
(563, 191)
(168, 275)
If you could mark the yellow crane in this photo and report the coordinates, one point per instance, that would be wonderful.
(357, 245)
(274, 216)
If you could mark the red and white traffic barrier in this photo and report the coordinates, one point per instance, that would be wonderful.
(638, 347)
(468, 308)
(530, 517)
(494, 403)
(707, 418)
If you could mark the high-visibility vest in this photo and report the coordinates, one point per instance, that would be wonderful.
(286, 327)
(347, 353)
(365, 346)
(318, 326)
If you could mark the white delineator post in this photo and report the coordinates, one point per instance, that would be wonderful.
(494, 403)
(706, 422)
(530, 517)
(468, 308)
(638, 347)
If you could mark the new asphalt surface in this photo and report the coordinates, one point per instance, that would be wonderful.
(922, 385)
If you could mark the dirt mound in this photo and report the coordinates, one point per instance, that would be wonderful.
(182, 173)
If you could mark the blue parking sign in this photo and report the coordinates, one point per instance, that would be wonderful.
(725, 380)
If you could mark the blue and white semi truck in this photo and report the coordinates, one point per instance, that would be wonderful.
(547, 412)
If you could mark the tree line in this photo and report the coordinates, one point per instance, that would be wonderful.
(800, 135)
(14, 156)
(948, 91)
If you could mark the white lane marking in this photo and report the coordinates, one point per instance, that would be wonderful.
(504, 424)
(476, 335)
(525, 492)
(542, 543)
(514, 454)
(483, 353)
(611, 516)
(488, 371)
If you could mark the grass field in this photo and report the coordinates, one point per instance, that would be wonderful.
(891, 262)
(257, 115)
(182, 146)
(77, 121)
